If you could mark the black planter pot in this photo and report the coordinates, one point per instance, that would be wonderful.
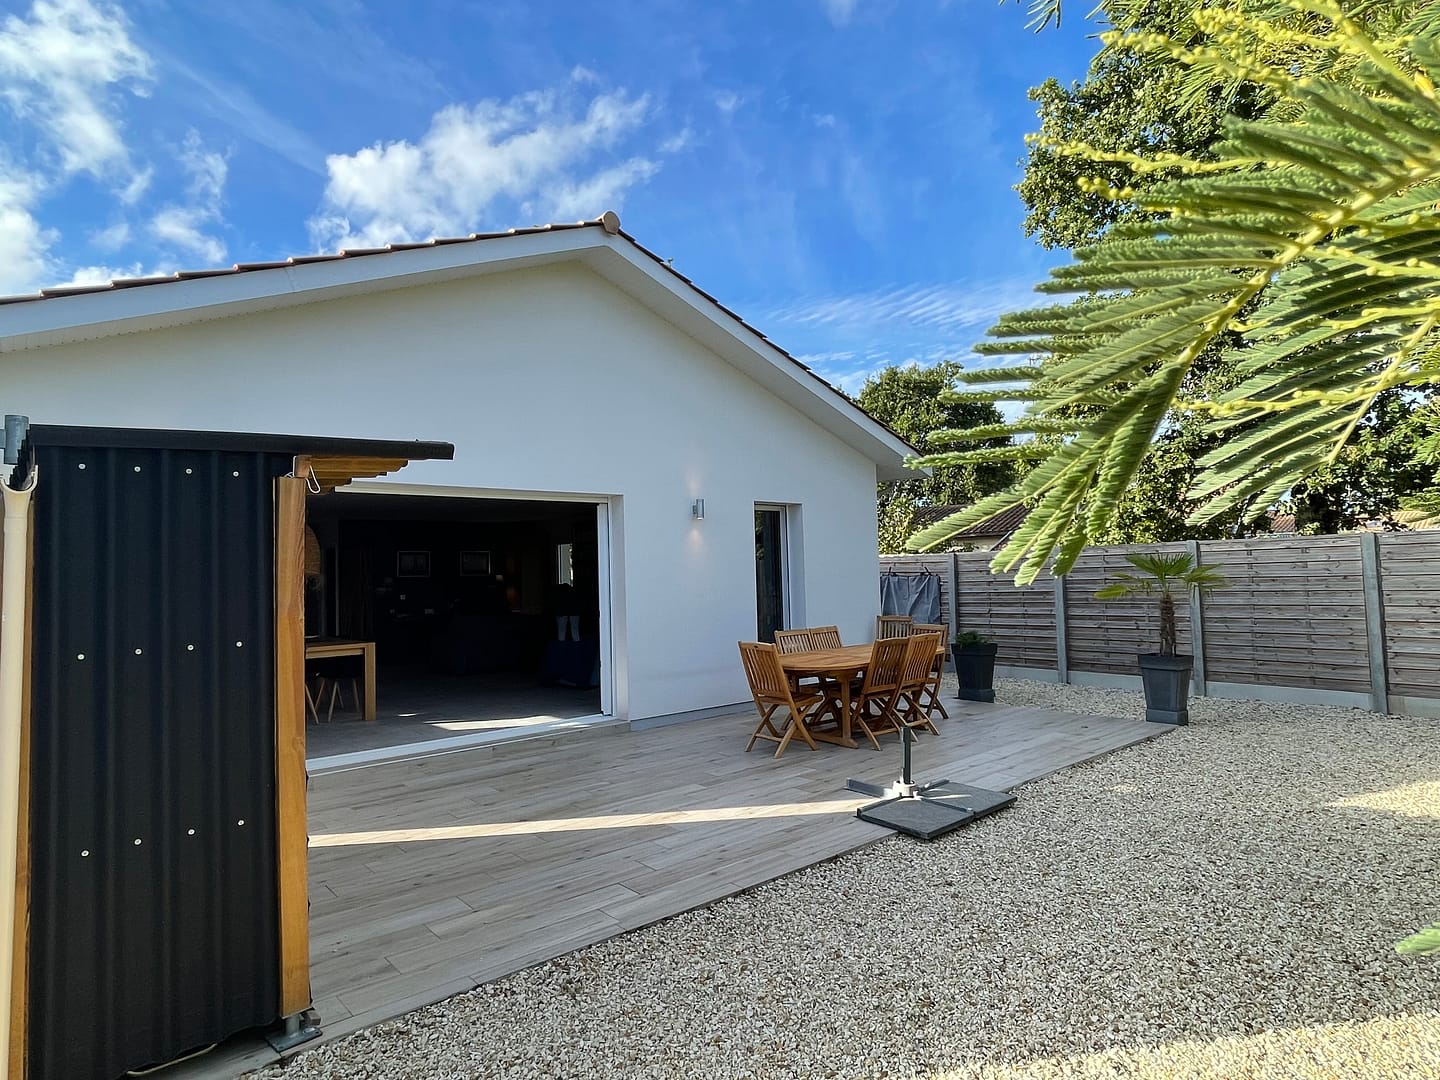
(975, 670)
(1167, 687)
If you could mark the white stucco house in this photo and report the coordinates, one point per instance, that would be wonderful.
(615, 429)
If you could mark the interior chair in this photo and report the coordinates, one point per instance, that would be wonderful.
(916, 672)
(874, 704)
(314, 690)
(772, 693)
(892, 626)
(340, 670)
(932, 688)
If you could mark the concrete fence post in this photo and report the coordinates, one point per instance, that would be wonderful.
(1374, 621)
(953, 583)
(1199, 686)
(1062, 649)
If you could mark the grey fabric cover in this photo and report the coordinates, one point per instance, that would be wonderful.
(916, 595)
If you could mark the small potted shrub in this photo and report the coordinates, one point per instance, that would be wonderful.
(1166, 675)
(974, 666)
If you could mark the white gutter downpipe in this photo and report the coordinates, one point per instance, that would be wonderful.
(12, 699)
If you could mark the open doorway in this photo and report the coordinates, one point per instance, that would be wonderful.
(484, 615)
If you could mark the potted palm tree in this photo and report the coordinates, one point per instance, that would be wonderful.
(1166, 674)
(974, 666)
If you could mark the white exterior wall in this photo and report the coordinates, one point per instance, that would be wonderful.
(546, 379)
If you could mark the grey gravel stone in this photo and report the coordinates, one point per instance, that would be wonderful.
(1222, 902)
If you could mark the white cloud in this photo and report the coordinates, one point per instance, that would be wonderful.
(543, 151)
(113, 237)
(681, 140)
(839, 11)
(182, 228)
(24, 243)
(188, 229)
(103, 275)
(727, 101)
(945, 307)
(57, 67)
(206, 169)
(131, 193)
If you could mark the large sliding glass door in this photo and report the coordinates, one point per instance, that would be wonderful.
(771, 573)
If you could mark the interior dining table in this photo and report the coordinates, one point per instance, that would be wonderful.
(319, 648)
(843, 665)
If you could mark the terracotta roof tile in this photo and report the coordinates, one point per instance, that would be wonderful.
(1001, 524)
(609, 221)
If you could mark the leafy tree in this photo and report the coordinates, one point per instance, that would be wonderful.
(908, 401)
(1316, 238)
(1156, 104)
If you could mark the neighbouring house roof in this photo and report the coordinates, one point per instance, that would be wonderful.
(1001, 524)
(1282, 523)
(88, 312)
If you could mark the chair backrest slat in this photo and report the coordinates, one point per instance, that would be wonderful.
(792, 641)
(892, 626)
(940, 630)
(768, 684)
(887, 665)
(919, 659)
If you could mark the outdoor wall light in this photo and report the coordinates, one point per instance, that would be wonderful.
(697, 509)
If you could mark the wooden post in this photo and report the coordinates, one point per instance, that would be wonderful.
(1374, 621)
(20, 967)
(1199, 684)
(1062, 647)
(290, 821)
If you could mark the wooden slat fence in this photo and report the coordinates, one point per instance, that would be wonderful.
(1293, 614)
(1105, 635)
(1021, 621)
(1410, 588)
(1349, 619)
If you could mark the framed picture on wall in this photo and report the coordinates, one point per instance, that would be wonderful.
(474, 563)
(412, 564)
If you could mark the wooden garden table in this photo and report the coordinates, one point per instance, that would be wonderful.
(844, 665)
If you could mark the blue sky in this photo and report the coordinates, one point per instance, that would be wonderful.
(837, 171)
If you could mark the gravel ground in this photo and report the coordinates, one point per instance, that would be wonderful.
(1222, 902)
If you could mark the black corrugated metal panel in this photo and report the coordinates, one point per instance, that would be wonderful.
(153, 846)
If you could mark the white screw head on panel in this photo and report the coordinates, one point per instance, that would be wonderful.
(137, 468)
(239, 644)
(81, 465)
(137, 841)
(235, 473)
(189, 648)
(190, 832)
(79, 656)
(85, 853)
(240, 822)
(138, 652)
(189, 472)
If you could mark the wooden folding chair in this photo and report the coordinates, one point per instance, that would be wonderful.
(880, 689)
(932, 688)
(918, 667)
(892, 626)
(792, 641)
(825, 637)
(772, 692)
